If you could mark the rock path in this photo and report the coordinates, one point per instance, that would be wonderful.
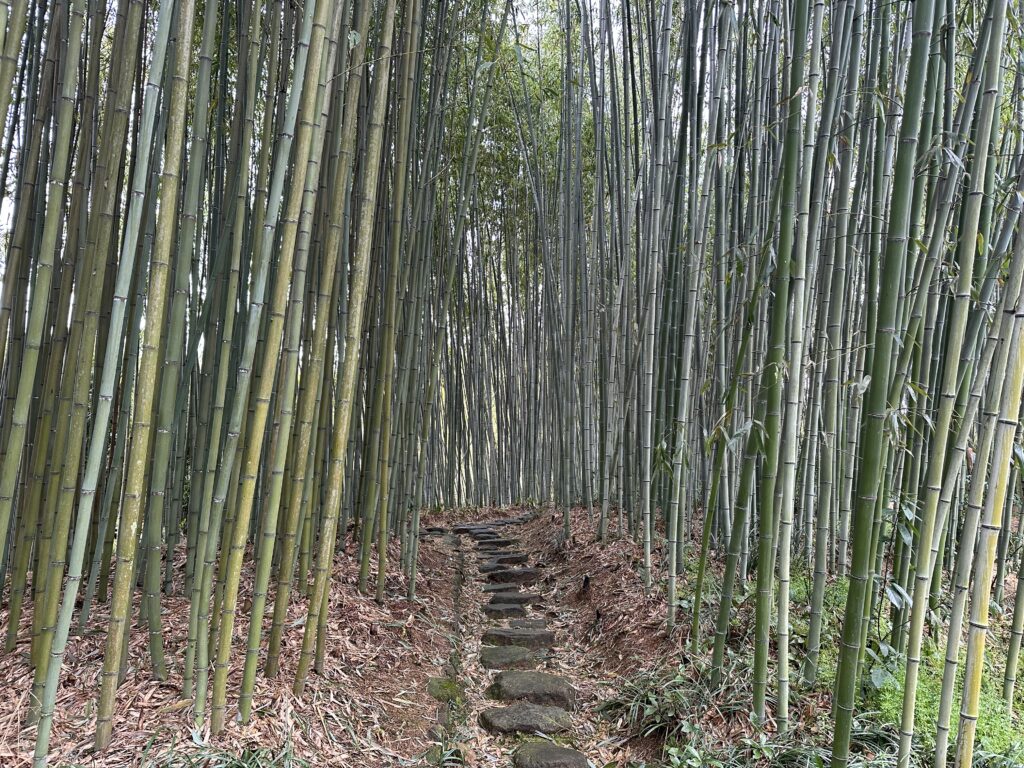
(528, 702)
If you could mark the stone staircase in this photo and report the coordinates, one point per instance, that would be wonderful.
(531, 701)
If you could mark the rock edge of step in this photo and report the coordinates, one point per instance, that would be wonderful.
(528, 638)
(514, 576)
(540, 754)
(525, 718)
(535, 687)
(504, 610)
(508, 657)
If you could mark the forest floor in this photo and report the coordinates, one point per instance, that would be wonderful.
(369, 704)
(641, 696)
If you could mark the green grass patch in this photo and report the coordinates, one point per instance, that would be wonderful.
(998, 731)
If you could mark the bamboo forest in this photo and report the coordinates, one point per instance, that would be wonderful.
(528, 383)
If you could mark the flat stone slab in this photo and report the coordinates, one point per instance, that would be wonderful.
(491, 559)
(511, 558)
(504, 611)
(525, 718)
(518, 623)
(513, 596)
(491, 552)
(507, 657)
(515, 576)
(491, 567)
(541, 754)
(517, 520)
(528, 638)
(496, 541)
(534, 687)
(471, 527)
(498, 588)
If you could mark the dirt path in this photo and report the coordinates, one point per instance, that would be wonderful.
(525, 689)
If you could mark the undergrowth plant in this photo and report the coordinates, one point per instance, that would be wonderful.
(703, 726)
(201, 755)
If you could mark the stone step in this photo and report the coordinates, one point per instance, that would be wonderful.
(525, 718)
(497, 588)
(471, 527)
(541, 754)
(503, 610)
(489, 552)
(511, 558)
(518, 623)
(490, 526)
(495, 541)
(517, 520)
(490, 567)
(534, 687)
(512, 596)
(528, 638)
(507, 657)
(494, 558)
(515, 576)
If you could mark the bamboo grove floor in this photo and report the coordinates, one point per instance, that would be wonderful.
(370, 705)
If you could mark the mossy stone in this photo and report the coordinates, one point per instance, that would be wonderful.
(444, 689)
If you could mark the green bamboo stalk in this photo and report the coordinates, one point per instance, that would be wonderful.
(146, 383)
